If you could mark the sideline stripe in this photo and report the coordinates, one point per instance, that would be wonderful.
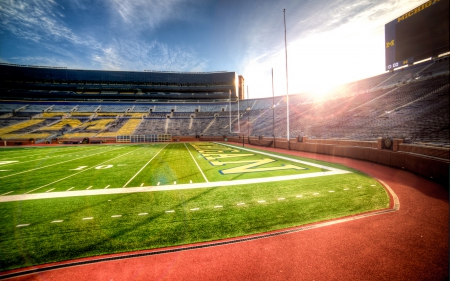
(144, 166)
(81, 171)
(159, 187)
(196, 163)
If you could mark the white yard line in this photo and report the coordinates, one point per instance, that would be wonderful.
(196, 163)
(165, 187)
(81, 171)
(50, 165)
(144, 166)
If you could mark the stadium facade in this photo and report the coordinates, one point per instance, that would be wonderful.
(44, 82)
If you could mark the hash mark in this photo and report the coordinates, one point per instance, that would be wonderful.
(22, 225)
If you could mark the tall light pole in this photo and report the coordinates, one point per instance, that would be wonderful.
(273, 111)
(287, 85)
(248, 118)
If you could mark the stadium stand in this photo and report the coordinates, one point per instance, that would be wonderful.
(409, 103)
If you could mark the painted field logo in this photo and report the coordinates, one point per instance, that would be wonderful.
(248, 166)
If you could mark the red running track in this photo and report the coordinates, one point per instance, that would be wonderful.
(409, 244)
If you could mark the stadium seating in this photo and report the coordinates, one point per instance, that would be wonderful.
(411, 104)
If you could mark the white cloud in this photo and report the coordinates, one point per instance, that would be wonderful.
(152, 13)
(129, 55)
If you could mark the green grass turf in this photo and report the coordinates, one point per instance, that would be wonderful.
(43, 241)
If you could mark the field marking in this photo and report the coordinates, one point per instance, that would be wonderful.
(22, 225)
(196, 163)
(142, 184)
(240, 204)
(80, 171)
(116, 216)
(88, 218)
(107, 186)
(50, 190)
(50, 165)
(261, 201)
(299, 196)
(144, 166)
(44, 153)
(142, 214)
(281, 198)
(57, 221)
(36, 159)
(70, 188)
(218, 206)
(159, 187)
(7, 193)
(285, 158)
(170, 211)
(89, 187)
(195, 209)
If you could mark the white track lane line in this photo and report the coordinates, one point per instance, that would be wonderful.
(196, 163)
(49, 165)
(81, 171)
(144, 166)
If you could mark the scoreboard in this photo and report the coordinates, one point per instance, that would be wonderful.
(420, 33)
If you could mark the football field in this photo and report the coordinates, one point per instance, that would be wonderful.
(60, 203)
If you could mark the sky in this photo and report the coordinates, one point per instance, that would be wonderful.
(329, 42)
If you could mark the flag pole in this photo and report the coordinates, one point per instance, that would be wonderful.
(287, 85)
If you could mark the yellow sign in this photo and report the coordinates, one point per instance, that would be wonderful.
(389, 44)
